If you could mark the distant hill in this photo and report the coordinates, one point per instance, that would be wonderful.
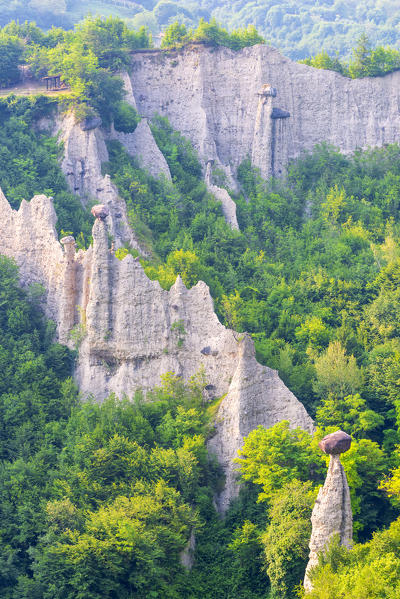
(299, 28)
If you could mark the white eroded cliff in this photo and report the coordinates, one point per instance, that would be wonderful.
(228, 205)
(232, 105)
(132, 331)
(141, 145)
(28, 235)
(84, 152)
(217, 98)
(256, 396)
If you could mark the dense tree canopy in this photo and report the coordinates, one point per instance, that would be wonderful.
(87, 58)
(211, 33)
(29, 163)
(299, 28)
(10, 57)
(100, 500)
(365, 62)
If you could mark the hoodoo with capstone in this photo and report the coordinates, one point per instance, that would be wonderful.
(100, 211)
(332, 510)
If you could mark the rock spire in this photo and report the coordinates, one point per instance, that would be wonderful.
(332, 510)
(130, 331)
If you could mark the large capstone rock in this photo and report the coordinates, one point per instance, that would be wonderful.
(335, 443)
(68, 240)
(100, 211)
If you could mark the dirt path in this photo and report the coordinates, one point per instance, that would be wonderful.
(31, 88)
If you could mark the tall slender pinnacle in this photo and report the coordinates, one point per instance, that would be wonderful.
(262, 147)
(332, 510)
(68, 307)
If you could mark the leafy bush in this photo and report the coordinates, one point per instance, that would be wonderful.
(126, 118)
(86, 58)
(367, 570)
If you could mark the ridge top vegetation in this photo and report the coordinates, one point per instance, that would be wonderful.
(298, 28)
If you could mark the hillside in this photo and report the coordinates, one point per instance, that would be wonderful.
(298, 29)
(235, 295)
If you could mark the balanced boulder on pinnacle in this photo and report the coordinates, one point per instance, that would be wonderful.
(332, 513)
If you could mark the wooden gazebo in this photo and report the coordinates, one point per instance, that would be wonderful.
(52, 81)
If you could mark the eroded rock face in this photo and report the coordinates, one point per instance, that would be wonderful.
(232, 105)
(228, 205)
(142, 145)
(91, 122)
(331, 515)
(131, 331)
(256, 396)
(136, 331)
(187, 555)
(29, 237)
(212, 96)
(84, 153)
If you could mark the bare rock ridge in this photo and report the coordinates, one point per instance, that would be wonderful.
(256, 396)
(30, 238)
(332, 513)
(130, 331)
(84, 152)
(228, 205)
(258, 103)
(141, 144)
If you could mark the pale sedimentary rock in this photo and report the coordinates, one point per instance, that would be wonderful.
(187, 555)
(131, 331)
(28, 235)
(211, 95)
(256, 396)
(68, 287)
(129, 95)
(332, 513)
(84, 153)
(233, 105)
(141, 145)
(263, 131)
(136, 331)
(228, 205)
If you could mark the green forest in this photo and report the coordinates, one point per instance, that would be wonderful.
(100, 501)
(298, 28)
